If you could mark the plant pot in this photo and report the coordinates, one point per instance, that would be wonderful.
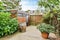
(45, 35)
(22, 27)
(13, 13)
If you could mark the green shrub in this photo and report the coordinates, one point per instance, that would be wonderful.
(46, 28)
(8, 25)
(47, 17)
(1, 6)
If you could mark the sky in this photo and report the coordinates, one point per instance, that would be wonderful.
(29, 4)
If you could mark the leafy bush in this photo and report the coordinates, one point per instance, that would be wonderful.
(7, 25)
(47, 17)
(46, 28)
(1, 6)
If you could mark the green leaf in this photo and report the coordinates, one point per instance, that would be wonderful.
(8, 25)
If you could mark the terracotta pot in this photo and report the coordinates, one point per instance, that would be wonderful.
(22, 29)
(45, 35)
(13, 13)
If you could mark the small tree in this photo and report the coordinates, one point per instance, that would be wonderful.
(11, 4)
(53, 6)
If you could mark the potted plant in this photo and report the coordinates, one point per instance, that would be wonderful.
(46, 29)
(13, 13)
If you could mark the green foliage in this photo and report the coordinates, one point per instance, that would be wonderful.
(47, 17)
(51, 4)
(58, 17)
(46, 28)
(50, 15)
(1, 6)
(48, 3)
(7, 25)
(11, 4)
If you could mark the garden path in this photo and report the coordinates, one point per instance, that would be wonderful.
(31, 34)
